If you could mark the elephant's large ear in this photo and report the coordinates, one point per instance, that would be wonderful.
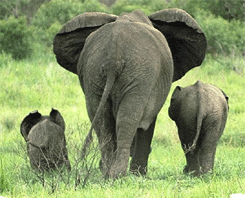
(69, 41)
(28, 122)
(185, 37)
(57, 118)
(225, 95)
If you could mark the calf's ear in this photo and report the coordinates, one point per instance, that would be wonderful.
(57, 118)
(185, 38)
(28, 122)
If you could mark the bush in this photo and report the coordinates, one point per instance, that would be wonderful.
(52, 15)
(149, 6)
(222, 36)
(15, 37)
(12, 7)
(227, 9)
(122, 6)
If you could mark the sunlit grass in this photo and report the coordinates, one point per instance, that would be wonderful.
(42, 84)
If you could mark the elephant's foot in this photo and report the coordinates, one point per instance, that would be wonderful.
(119, 168)
(103, 168)
(138, 170)
(193, 171)
(105, 165)
(138, 167)
(116, 172)
(205, 170)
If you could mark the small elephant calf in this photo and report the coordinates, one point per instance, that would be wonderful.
(45, 138)
(200, 113)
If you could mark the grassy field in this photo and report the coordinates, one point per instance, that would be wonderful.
(41, 84)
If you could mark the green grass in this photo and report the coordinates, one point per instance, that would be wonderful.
(41, 84)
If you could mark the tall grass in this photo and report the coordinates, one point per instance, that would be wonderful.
(41, 84)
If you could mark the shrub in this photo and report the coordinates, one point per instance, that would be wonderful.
(12, 7)
(15, 37)
(122, 6)
(222, 36)
(52, 15)
(227, 9)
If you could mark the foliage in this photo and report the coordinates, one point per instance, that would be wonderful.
(227, 9)
(15, 37)
(52, 15)
(221, 20)
(44, 85)
(222, 36)
(12, 7)
(122, 6)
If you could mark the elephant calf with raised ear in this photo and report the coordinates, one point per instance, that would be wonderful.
(200, 113)
(45, 138)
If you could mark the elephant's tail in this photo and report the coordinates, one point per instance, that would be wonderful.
(200, 114)
(107, 90)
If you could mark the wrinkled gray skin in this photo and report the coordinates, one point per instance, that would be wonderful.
(126, 69)
(200, 113)
(45, 138)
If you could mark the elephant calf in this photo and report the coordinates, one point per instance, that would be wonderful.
(200, 113)
(45, 138)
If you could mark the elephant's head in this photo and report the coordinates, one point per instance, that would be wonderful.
(45, 139)
(185, 38)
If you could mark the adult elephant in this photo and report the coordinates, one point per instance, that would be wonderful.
(126, 65)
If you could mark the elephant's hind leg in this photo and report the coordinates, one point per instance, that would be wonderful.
(192, 166)
(187, 135)
(105, 131)
(208, 146)
(142, 150)
(129, 116)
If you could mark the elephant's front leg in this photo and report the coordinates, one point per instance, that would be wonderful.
(142, 150)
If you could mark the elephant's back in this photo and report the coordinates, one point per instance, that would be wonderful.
(126, 41)
(217, 106)
(135, 52)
